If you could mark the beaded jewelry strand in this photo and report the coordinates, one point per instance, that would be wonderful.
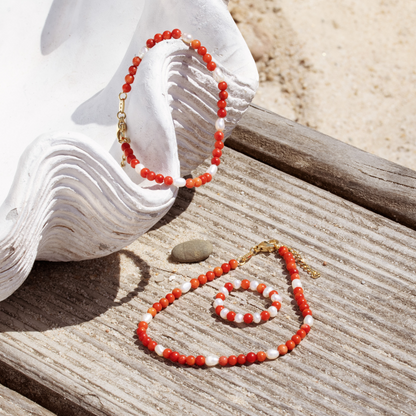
(128, 154)
(290, 256)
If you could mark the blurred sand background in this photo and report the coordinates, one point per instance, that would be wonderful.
(345, 68)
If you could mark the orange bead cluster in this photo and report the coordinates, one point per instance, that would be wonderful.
(220, 125)
(231, 360)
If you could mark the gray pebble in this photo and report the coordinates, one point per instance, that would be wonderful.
(159, 278)
(192, 251)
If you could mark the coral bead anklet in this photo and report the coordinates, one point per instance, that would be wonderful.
(290, 256)
(128, 154)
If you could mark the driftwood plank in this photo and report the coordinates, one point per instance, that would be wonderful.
(67, 335)
(368, 180)
(14, 404)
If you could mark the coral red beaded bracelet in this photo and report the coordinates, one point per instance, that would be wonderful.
(128, 154)
(290, 256)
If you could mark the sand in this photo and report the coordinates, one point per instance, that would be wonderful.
(345, 68)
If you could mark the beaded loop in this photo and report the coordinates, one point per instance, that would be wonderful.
(241, 359)
(128, 153)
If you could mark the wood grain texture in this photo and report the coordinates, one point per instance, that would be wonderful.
(368, 180)
(67, 335)
(14, 404)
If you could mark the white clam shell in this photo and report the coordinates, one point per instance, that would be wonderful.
(67, 197)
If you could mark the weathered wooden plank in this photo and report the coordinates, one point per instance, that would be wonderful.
(68, 333)
(368, 180)
(14, 404)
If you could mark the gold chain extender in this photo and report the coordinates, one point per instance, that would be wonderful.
(272, 246)
(122, 126)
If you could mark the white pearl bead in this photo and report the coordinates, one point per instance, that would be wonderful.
(159, 349)
(224, 313)
(237, 284)
(308, 320)
(224, 291)
(256, 318)
(220, 124)
(266, 291)
(254, 284)
(143, 51)
(273, 311)
(211, 360)
(212, 169)
(218, 75)
(296, 283)
(272, 354)
(179, 182)
(239, 318)
(139, 168)
(187, 37)
(147, 317)
(186, 287)
(276, 298)
(218, 302)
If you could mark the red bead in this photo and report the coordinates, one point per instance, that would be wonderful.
(288, 257)
(208, 176)
(168, 180)
(231, 316)
(126, 88)
(222, 85)
(194, 283)
(144, 172)
(296, 339)
(211, 66)
(152, 345)
(157, 306)
(261, 287)
(301, 333)
(216, 153)
(140, 331)
(132, 70)
(277, 305)
(222, 112)
(221, 104)
(136, 61)
(167, 35)
(143, 324)
(130, 158)
(248, 318)
(129, 79)
(218, 271)
(177, 293)
(167, 352)
(233, 264)
(223, 360)
(203, 179)
(261, 356)
(219, 144)
(182, 359)
(283, 250)
(170, 298)
(215, 161)
(207, 58)
(197, 182)
(229, 286)
(225, 267)
(232, 360)
(125, 146)
(293, 271)
(245, 284)
(158, 37)
(150, 43)
(219, 135)
(251, 357)
(189, 183)
(282, 349)
(128, 151)
(202, 50)
(151, 176)
(291, 265)
(297, 290)
(241, 359)
(164, 302)
(176, 33)
(190, 360)
(298, 296)
(159, 178)
(265, 315)
(218, 309)
(223, 95)
(306, 312)
(134, 163)
(202, 279)
(200, 360)
(306, 328)
(210, 276)
(303, 306)
(152, 311)
(174, 356)
(220, 296)
(195, 44)
(145, 341)
(290, 345)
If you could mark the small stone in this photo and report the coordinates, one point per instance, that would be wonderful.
(363, 282)
(159, 278)
(192, 251)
